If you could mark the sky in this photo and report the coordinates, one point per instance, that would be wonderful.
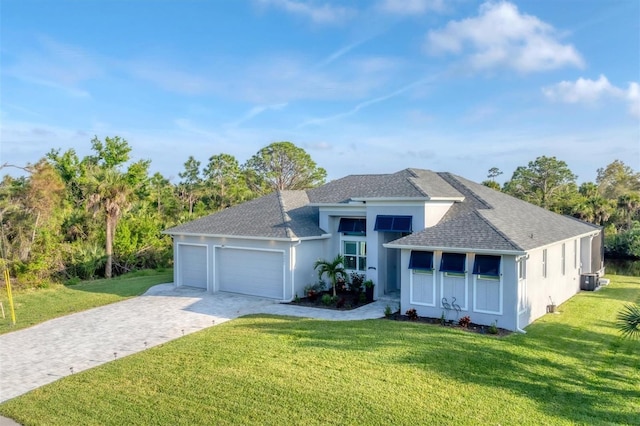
(362, 86)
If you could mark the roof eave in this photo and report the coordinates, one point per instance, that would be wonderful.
(246, 237)
(455, 249)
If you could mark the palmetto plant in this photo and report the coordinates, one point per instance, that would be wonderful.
(629, 321)
(332, 269)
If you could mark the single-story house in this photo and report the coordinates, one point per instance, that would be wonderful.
(438, 239)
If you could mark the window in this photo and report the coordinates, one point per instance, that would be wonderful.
(454, 263)
(487, 266)
(355, 255)
(352, 226)
(544, 263)
(522, 269)
(386, 223)
(564, 267)
(421, 260)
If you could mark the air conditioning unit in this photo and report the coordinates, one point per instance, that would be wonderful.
(589, 282)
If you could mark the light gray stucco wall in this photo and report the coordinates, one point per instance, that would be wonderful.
(306, 254)
(556, 286)
(507, 319)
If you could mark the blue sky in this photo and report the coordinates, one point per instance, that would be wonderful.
(363, 86)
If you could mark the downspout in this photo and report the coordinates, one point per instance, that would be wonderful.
(518, 329)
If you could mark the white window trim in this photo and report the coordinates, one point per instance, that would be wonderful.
(575, 254)
(544, 263)
(350, 238)
(482, 311)
(564, 259)
(522, 263)
(466, 289)
(433, 277)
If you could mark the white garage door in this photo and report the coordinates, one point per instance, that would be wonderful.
(253, 272)
(192, 265)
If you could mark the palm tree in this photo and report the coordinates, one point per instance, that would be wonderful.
(629, 321)
(333, 269)
(111, 193)
(630, 204)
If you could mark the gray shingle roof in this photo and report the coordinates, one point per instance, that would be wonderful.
(408, 183)
(485, 220)
(491, 220)
(284, 214)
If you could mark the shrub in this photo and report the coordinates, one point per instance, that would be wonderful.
(362, 298)
(356, 282)
(412, 314)
(341, 302)
(493, 328)
(387, 311)
(464, 321)
(326, 299)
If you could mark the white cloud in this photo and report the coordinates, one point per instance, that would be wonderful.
(55, 65)
(586, 91)
(257, 110)
(411, 7)
(633, 96)
(501, 36)
(319, 13)
(362, 105)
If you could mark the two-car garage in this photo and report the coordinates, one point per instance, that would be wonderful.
(241, 270)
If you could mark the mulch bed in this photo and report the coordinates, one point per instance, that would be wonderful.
(471, 328)
(346, 301)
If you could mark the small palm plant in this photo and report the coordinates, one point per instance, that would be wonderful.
(333, 269)
(629, 321)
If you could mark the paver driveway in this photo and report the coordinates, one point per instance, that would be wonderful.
(41, 354)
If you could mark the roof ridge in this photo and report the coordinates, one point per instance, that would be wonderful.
(286, 219)
(477, 213)
(460, 184)
(412, 181)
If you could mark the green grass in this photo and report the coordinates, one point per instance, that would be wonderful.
(571, 368)
(35, 306)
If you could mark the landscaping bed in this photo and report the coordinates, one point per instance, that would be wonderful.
(349, 294)
(343, 300)
(464, 323)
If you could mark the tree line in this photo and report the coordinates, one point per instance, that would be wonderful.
(612, 201)
(70, 218)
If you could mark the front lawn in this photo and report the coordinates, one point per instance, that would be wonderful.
(33, 306)
(569, 368)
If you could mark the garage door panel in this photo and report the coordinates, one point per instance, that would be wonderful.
(193, 265)
(253, 272)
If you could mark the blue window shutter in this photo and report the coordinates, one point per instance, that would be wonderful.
(352, 226)
(422, 260)
(453, 262)
(486, 265)
(386, 223)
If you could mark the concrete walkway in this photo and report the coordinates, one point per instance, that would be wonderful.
(35, 356)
